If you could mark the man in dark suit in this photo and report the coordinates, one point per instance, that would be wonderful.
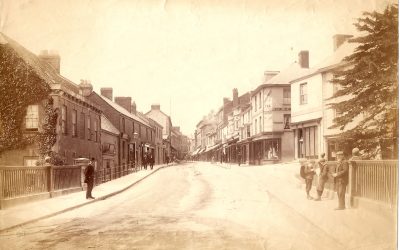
(341, 176)
(89, 180)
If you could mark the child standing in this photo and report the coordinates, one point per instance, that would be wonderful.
(309, 176)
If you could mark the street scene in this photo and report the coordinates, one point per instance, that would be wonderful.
(209, 206)
(191, 124)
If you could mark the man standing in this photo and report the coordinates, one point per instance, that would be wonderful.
(323, 176)
(309, 176)
(341, 176)
(239, 155)
(89, 179)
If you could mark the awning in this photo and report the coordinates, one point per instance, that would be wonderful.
(266, 137)
(196, 151)
(211, 148)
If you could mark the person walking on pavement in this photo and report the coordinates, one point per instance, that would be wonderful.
(309, 171)
(323, 176)
(89, 179)
(341, 178)
(239, 156)
(151, 161)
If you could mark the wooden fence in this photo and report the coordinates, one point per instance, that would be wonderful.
(375, 180)
(18, 182)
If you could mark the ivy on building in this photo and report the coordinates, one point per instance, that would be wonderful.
(48, 134)
(371, 86)
(20, 86)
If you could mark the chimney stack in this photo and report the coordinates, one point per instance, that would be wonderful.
(155, 107)
(235, 97)
(133, 109)
(303, 59)
(52, 58)
(339, 39)
(107, 92)
(124, 102)
(86, 87)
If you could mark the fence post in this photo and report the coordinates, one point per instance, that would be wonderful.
(50, 180)
(1, 187)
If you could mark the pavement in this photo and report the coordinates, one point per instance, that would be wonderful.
(33, 211)
(347, 227)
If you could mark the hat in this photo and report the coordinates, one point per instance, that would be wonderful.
(339, 153)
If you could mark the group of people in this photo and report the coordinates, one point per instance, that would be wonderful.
(147, 160)
(340, 174)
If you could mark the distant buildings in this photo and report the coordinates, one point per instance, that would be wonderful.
(284, 118)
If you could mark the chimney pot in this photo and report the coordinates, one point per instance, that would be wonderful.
(133, 109)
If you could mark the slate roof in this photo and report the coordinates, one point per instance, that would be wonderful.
(42, 69)
(284, 77)
(333, 61)
(107, 125)
(124, 111)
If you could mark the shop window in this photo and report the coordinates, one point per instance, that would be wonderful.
(272, 149)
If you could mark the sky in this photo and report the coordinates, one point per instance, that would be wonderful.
(184, 55)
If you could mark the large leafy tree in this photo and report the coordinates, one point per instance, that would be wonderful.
(370, 85)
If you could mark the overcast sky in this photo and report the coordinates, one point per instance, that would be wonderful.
(184, 55)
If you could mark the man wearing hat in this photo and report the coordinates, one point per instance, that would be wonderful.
(341, 176)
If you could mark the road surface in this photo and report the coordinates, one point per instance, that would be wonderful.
(189, 206)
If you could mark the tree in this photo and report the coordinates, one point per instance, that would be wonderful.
(370, 84)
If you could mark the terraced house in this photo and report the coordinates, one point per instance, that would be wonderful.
(78, 123)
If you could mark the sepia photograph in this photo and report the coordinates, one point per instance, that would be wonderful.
(199, 124)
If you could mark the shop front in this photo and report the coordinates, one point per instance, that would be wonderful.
(265, 149)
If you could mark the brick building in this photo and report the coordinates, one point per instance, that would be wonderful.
(135, 133)
(78, 124)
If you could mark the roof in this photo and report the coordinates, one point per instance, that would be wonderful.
(284, 77)
(107, 125)
(333, 61)
(123, 111)
(42, 69)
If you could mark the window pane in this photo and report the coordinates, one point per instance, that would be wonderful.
(32, 117)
